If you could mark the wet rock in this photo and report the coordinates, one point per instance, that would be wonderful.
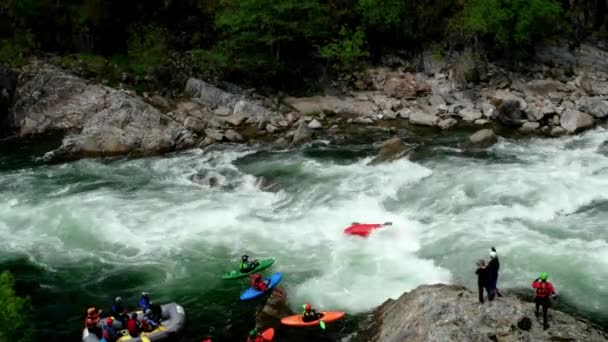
(214, 134)
(423, 119)
(595, 106)
(8, 84)
(332, 104)
(558, 131)
(303, 133)
(481, 122)
(529, 127)
(482, 139)
(314, 124)
(391, 149)
(603, 148)
(233, 136)
(488, 110)
(447, 123)
(404, 113)
(363, 121)
(439, 313)
(510, 113)
(405, 86)
(271, 128)
(274, 309)
(195, 124)
(389, 115)
(470, 114)
(575, 121)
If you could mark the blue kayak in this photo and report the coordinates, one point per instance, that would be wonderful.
(251, 293)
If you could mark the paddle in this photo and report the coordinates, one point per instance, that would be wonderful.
(322, 324)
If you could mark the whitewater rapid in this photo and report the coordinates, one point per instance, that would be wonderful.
(542, 202)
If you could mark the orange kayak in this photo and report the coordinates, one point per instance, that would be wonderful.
(296, 320)
(268, 334)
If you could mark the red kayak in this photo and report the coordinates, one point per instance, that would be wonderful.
(364, 229)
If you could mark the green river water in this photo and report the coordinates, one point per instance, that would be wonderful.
(81, 233)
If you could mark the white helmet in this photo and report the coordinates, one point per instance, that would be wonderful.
(492, 254)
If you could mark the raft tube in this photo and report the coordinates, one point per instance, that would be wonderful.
(327, 317)
(173, 322)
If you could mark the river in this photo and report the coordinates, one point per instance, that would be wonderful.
(81, 233)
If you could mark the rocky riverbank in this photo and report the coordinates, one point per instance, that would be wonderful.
(563, 92)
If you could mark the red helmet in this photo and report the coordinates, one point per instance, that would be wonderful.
(307, 307)
(109, 321)
(257, 276)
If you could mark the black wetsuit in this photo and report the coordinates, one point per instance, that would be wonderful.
(483, 283)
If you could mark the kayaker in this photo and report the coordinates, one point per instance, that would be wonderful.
(92, 320)
(482, 281)
(544, 290)
(246, 265)
(259, 284)
(133, 325)
(255, 336)
(144, 301)
(493, 267)
(309, 315)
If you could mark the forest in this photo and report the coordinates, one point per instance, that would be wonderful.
(275, 42)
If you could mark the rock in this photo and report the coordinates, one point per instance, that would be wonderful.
(363, 121)
(500, 96)
(271, 128)
(558, 131)
(548, 109)
(482, 139)
(159, 102)
(542, 88)
(386, 103)
(8, 84)
(314, 124)
(423, 119)
(195, 124)
(529, 127)
(500, 81)
(234, 120)
(441, 313)
(575, 121)
(447, 123)
(534, 113)
(214, 134)
(222, 111)
(470, 114)
(404, 113)
(389, 115)
(594, 106)
(592, 86)
(275, 308)
(292, 117)
(209, 94)
(332, 104)
(253, 112)
(603, 148)
(391, 149)
(436, 101)
(488, 110)
(405, 86)
(233, 136)
(510, 113)
(481, 122)
(303, 133)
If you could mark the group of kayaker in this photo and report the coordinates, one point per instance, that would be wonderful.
(487, 278)
(121, 317)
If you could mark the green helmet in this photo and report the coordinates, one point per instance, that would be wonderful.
(253, 332)
(544, 276)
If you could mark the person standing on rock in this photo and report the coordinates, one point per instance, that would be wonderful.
(493, 267)
(483, 281)
(544, 290)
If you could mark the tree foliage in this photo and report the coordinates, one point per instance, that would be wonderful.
(14, 325)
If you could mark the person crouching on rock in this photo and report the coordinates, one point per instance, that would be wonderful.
(483, 281)
(309, 315)
(544, 290)
(258, 284)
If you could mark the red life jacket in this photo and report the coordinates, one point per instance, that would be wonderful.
(543, 289)
(132, 327)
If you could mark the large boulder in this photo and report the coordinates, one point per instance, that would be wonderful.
(274, 309)
(423, 119)
(441, 313)
(210, 95)
(8, 83)
(510, 113)
(470, 114)
(332, 105)
(594, 106)
(575, 121)
(390, 150)
(405, 86)
(542, 88)
(482, 139)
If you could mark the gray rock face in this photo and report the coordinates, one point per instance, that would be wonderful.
(211, 95)
(482, 139)
(594, 106)
(575, 121)
(446, 313)
(8, 83)
(447, 123)
(423, 119)
(510, 113)
(303, 133)
(332, 104)
(391, 149)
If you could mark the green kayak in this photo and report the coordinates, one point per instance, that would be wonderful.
(264, 264)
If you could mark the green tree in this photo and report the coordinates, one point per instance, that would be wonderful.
(269, 35)
(509, 23)
(147, 49)
(345, 51)
(14, 325)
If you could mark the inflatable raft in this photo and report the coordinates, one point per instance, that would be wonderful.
(173, 321)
